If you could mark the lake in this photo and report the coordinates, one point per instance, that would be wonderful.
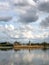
(24, 57)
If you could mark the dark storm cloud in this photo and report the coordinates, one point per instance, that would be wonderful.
(5, 18)
(20, 3)
(45, 23)
(29, 16)
(27, 10)
(35, 0)
(43, 6)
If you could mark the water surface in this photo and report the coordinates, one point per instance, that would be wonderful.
(24, 57)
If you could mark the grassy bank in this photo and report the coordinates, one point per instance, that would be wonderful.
(30, 47)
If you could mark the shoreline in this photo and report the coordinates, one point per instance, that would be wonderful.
(15, 47)
(31, 47)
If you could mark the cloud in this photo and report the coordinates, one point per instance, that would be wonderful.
(4, 6)
(1, 27)
(9, 27)
(43, 5)
(45, 23)
(26, 32)
(29, 58)
(36, 0)
(29, 16)
(26, 10)
(23, 2)
(11, 32)
(5, 18)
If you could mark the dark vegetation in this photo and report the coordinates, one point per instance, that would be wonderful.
(18, 43)
(6, 44)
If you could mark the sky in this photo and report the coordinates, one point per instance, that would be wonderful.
(24, 20)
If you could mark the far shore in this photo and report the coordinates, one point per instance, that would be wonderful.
(18, 45)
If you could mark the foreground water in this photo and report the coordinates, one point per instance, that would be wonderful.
(24, 57)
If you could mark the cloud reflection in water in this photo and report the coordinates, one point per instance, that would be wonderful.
(24, 57)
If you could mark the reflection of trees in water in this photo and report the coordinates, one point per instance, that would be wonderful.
(7, 49)
(45, 49)
(16, 50)
(3, 49)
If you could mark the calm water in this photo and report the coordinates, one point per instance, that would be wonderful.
(24, 57)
